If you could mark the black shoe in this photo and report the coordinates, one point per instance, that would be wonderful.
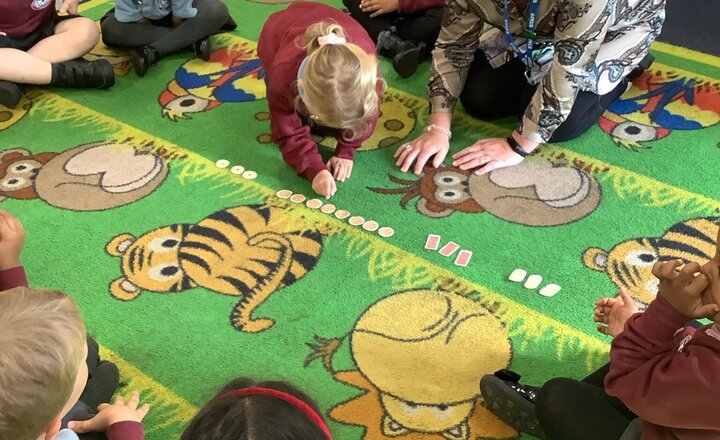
(642, 67)
(10, 94)
(511, 402)
(389, 44)
(203, 48)
(142, 58)
(97, 74)
(102, 385)
(406, 63)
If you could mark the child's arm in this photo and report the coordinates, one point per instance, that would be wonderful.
(656, 381)
(12, 239)
(183, 9)
(410, 6)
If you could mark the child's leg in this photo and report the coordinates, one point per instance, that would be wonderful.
(115, 33)
(73, 38)
(373, 25)
(21, 67)
(211, 16)
(422, 27)
(570, 409)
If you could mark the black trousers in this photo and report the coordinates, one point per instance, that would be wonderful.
(212, 17)
(569, 409)
(498, 93)
(422, 26)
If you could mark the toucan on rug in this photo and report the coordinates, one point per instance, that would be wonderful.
(190, 274)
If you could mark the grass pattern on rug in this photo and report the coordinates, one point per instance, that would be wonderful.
(390, 338)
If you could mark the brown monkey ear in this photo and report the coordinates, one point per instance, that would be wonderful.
(432, 209)
(13, 153)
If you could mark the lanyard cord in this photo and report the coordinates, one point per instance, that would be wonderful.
(526, 57)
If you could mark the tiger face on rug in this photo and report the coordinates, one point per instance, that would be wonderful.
(629, 263)
(247, 251)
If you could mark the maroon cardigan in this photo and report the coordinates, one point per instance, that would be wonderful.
(668, 375)
(15, 277)
(409, 6)
(19, 18)
(280, 51)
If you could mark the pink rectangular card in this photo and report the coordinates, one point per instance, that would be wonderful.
(463, 258)
(449, 249)
(432, 242)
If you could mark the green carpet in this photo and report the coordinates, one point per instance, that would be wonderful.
(168, 254)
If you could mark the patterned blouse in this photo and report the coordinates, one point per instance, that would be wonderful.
(596, 44)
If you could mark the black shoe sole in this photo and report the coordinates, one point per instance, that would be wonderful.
(203, 49)
(406, 63)
(10, 94)
(509, 406)
(105, 70)
(139, 62)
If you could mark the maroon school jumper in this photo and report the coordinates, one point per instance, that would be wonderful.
(410, 6)
(668, 375)
(15, 277)
(19, 18)
(280, 51)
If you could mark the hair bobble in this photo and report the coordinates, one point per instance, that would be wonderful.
(331, 38)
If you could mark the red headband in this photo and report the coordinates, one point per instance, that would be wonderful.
(292, 400)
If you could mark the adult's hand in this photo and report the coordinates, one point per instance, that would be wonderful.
(486, 155)
(430, 144)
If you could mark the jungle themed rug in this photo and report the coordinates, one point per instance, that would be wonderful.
(197, 256)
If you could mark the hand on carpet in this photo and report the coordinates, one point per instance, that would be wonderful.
(486, 155)
(12, 240)
(612, 313)
(324, 184)
(430, 144)
(684, 288)
(341, 169)
(110, 414)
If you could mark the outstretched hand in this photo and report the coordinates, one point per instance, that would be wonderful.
(120, 411)
(430, 144)
(12, 240)
(611, 314)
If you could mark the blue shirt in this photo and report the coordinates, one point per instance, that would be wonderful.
(129, 11)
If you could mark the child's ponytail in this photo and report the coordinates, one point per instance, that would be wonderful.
(320, 29)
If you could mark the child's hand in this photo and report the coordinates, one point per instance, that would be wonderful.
(683, 290)
(340, 168)
(12, 239)
(111, 414)
(612, 313)
(69, 7)
(324, 184)
(379, 7)
(177, 21)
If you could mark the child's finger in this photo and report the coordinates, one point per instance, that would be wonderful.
(119, 400)
(602, 329)
(102, 406)
(687, 272)
(707, 311)
(134, 400)
(143, 411)
(625, 297)
(697, 285)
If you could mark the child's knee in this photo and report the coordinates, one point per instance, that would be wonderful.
(86, 30)
(216, 12)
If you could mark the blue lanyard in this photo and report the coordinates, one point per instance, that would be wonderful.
(526, 57)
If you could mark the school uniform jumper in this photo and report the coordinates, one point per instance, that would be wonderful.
(280, 51)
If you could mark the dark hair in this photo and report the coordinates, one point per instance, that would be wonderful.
(255, 417)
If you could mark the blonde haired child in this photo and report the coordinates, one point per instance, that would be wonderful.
(322, 75)
(43, 371)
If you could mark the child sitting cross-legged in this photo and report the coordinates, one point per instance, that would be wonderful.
(39, 46)
(244, 409)
(662, 380)
(43, 371)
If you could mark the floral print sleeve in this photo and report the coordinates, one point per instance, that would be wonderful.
(454, 52)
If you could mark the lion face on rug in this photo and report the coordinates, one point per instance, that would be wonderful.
(629, 263)
(248, 251)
